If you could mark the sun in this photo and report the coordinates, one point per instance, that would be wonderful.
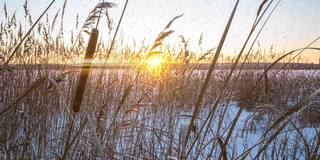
(155, 62)
(156, 65)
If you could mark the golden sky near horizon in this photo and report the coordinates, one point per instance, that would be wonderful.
(294, 24)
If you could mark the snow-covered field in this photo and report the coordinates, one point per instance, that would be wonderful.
(154, 120)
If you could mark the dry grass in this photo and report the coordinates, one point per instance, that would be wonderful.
(182, 112)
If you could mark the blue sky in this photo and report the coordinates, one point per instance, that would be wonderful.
(294, 24)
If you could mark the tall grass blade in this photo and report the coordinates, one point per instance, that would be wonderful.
(24, 93)
(208, 76)
(26, 35)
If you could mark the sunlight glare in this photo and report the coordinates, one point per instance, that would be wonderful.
(155, 62)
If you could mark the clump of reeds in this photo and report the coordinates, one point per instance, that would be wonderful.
(187, 113)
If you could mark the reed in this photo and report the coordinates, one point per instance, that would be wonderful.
(196, 108)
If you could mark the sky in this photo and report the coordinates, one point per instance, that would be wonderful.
(294, 24)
